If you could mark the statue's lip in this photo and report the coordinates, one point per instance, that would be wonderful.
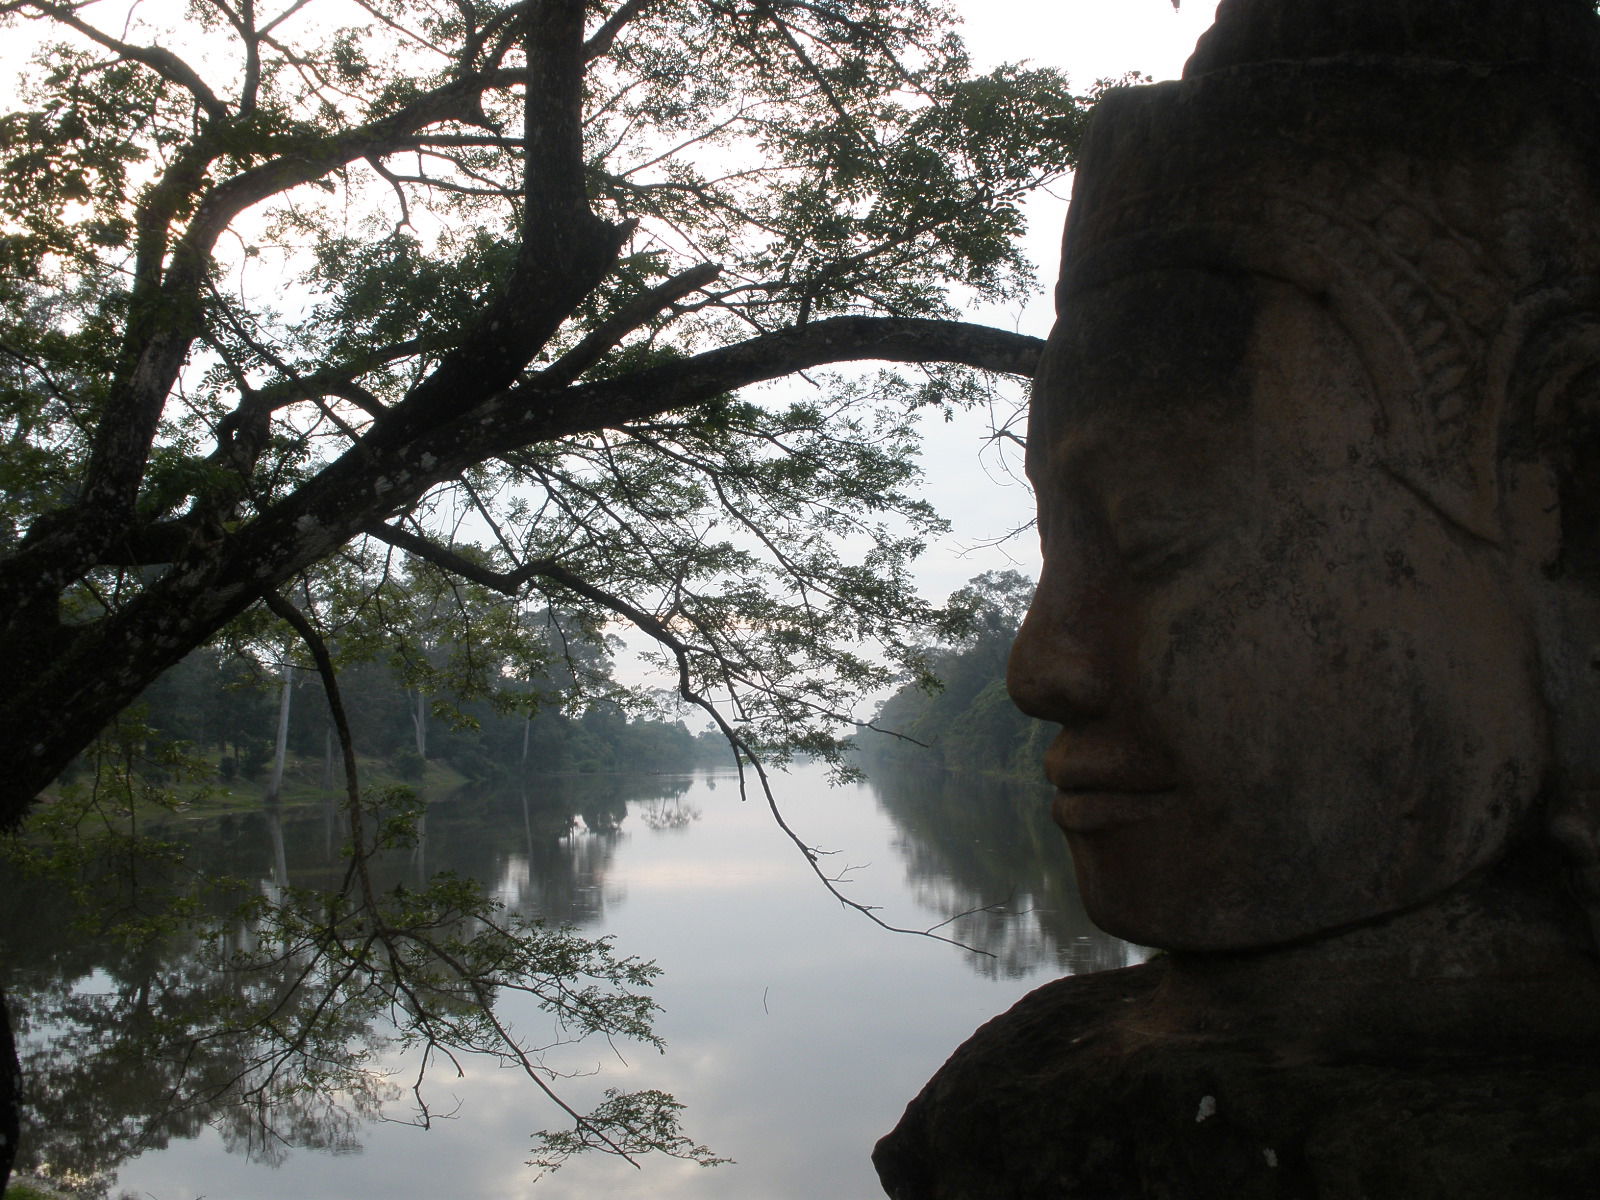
(1095, 806)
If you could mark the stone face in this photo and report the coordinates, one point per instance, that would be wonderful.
(1299, 442)
(1311, 443)
(1315, 444)
(1294, 696)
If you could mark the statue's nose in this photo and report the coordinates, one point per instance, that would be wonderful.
(1063, 665)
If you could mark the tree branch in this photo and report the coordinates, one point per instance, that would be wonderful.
(508, 583)
(632, 314)
(165, 63)
(530, 414)
(600, 42)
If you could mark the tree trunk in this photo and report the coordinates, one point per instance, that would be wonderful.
(419, 723)
(285, 696)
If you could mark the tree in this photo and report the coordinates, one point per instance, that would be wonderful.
(288, 293)
(957, 713)
(510, 258)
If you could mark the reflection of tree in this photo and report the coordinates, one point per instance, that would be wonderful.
(123, 1049)
(545, 845)
(559, 869)
(668, 814)
(128, 1044)
(986, 848)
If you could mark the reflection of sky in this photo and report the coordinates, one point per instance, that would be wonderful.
(796, 1030)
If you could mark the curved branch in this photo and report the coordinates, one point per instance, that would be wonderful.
(454, 101)
(600, 41)
(628, 317)
(162, 61)
(531, 413)
(508, 583)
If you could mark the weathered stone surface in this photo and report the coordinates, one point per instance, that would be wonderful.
(1315, 444)
(1063, 1096)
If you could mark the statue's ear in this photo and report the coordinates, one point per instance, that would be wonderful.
(1549, 460)
(1550, 510)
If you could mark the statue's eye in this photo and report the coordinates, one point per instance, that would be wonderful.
(1157, 534)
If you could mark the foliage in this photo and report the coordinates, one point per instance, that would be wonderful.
(651, 1115)
(283, 296)
(221, 702)
(959, 715)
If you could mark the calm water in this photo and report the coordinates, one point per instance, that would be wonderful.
(796, 1030)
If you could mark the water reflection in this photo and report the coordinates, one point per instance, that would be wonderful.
(109, 1038)
(544, 847)
(122, 1049)
(987, 848)
(125, 1049)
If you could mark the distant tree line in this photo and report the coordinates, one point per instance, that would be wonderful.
(224, 705)
(958, 715)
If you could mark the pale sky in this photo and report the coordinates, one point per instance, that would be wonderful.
(1089, 40)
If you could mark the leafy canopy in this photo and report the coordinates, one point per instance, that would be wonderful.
(276, 281)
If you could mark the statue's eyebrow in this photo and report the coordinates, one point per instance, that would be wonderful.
(1091, 455)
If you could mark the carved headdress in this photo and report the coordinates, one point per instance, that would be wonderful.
(1443, 208)
(1430, 171)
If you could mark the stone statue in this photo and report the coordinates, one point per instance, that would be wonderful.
(1316, 443)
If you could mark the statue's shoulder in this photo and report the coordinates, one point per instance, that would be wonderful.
(1074, 1093)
